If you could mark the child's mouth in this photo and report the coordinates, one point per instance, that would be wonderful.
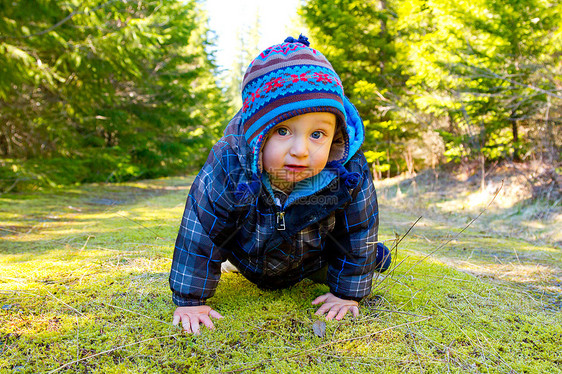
(295, 167)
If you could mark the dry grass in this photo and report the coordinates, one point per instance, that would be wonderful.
(528, 205)
(83, 288)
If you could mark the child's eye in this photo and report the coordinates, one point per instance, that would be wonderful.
(317, 134)
(282, 131)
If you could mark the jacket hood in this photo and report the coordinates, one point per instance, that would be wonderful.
(349, 142)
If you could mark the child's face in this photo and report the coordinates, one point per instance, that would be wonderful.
(298, 148)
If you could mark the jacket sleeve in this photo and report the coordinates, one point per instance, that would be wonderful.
(198, 252)
(353, 248)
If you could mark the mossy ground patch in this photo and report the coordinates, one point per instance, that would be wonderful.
(83, 288)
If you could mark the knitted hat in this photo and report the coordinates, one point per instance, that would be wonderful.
(284, 81)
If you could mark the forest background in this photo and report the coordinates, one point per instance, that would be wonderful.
(452, 93)
(111, 91)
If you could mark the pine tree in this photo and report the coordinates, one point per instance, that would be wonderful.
(104, 92)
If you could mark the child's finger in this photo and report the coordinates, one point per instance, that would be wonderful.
(207, 321)
(323, 309)
(332, 313)
(176, 320)
(355, 311)
(342, 312)
(185, 324)
(215, 314)
(320, 299)
(195, 325)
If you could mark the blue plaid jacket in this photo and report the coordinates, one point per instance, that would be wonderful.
(274, 246)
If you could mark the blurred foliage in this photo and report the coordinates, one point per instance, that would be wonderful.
(104, 91)
(247, 40)
(485, 75)
(120, 90)
(358, 39)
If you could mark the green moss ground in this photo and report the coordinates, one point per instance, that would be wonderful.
(83, 288)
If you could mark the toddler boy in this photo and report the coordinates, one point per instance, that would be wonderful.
(286, 193)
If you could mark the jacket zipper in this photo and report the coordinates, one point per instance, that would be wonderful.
(281, 214)
(280, 221)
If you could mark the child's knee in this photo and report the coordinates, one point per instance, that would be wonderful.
(384, 258)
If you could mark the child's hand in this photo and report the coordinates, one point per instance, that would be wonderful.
(192, 316)
(335, 306)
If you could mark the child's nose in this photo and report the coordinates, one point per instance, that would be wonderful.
(299, 147)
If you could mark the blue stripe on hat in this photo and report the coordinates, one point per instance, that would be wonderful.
(271, 115)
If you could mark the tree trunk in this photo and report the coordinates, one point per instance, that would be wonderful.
(514, 144)
(388, 161)
(483, 166)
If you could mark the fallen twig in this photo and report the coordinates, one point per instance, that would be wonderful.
(458, 234)
(395, 249)
(110, 350)
(399, 312)
(479, 344)
(257, 364)
(140, 224)
(137, 313)
(62, 302)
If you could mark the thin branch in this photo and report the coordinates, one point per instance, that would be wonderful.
(62, 302)
(395, 248)
(11, 187)
(495, 75)
(140, 224)
(59, 23)
(251, 366)
(459, 233)
(109, 351)
(137, 313)
(399, 312)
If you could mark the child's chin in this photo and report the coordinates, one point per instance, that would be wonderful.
(290, 181)
(299, 178)
(295, 177)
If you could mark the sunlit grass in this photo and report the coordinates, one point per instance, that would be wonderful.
(512, 212)
(86, 291)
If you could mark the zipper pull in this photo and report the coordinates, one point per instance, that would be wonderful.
(281, 221)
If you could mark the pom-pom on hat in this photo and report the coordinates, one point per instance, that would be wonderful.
(284, 81)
